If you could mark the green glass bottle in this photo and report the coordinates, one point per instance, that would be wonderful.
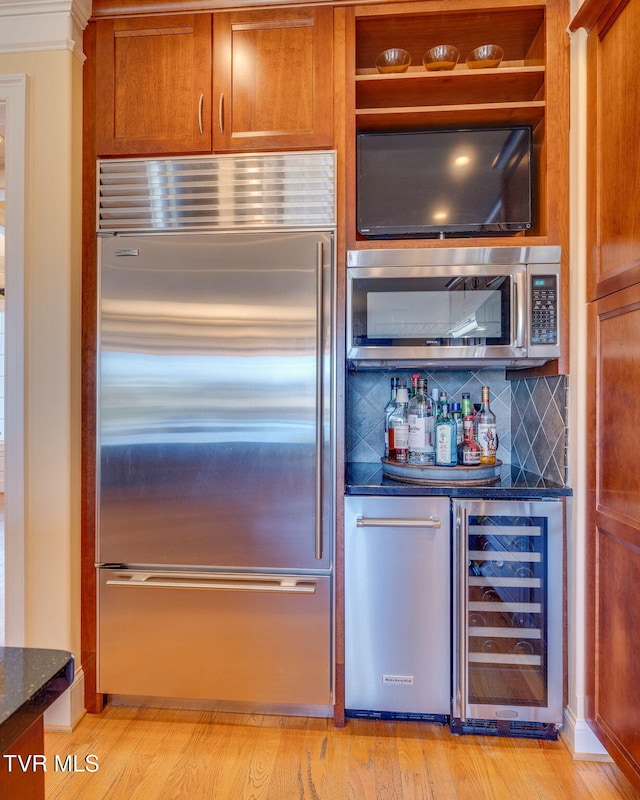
(446, 444)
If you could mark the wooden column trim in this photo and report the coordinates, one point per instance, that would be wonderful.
(600, 13)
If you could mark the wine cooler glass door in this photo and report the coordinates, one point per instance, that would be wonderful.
(509, 614)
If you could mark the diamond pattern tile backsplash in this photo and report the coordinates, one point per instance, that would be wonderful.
(530, 414)
(538, 426)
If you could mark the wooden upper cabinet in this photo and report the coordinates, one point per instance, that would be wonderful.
(273, 79)
(613, 129)
(153, 85)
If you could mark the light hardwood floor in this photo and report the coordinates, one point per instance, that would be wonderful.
(193, 755)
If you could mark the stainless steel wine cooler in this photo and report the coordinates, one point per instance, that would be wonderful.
(508, 651)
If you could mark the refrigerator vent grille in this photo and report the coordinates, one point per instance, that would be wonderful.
(228, 192)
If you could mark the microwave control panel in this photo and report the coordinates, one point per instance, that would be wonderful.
(544, 309)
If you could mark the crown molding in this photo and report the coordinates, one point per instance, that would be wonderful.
(28, 26)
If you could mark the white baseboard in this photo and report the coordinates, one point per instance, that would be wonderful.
(68, 709)
(581, 741)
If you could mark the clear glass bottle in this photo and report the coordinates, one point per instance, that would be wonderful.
(487, 433)
(421, 426)
(446, 448)
(399, 426)
(441, 402)
(456, 413)
(469, 450)
(388, 409)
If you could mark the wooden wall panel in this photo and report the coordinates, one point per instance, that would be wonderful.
(613, 532)
(613, 287)
(618, 637)
(618, 393)
(614, 127)
(618, 131)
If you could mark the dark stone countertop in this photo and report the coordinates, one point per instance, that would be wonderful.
(367, 478)
(30, 680)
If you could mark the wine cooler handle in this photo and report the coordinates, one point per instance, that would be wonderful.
(463, 612)
(319, 398)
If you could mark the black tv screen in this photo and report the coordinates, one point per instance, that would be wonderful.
(440, 182)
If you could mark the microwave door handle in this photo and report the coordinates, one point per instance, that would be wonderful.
(518, 298)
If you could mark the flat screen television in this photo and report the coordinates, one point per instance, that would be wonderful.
(441, 182)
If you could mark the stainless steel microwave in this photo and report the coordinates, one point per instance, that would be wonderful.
(453, 307)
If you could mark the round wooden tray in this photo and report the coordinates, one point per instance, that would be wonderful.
(460, 475)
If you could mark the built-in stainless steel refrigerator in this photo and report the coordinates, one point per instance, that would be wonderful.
(215, 456)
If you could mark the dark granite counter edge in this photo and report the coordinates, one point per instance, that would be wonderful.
(33, 679)
(368, 479)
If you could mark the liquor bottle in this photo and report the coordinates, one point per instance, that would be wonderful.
(414, 384)
(456, 413)
(445, 439)
(469, 450)
(420, 426)
(387, 413)
(487, 434)
(465, 405)
(435, 410)
(441, 402)
(399, 426)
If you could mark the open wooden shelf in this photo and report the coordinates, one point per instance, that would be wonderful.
(489, 114)
(461, 86)
(516, 30)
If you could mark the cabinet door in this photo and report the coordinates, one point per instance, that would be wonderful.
(153, 85)
(397, 605)
(613, 126)
(273, 79)
(613, 538)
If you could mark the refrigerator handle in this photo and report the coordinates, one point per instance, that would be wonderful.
(462, 642)
(319, 397)
(228, 582)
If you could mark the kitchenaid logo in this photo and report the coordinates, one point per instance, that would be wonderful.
(398, 680)
(42, 763)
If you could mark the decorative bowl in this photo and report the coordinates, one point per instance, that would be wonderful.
(487, 56)
(393, 60)
(441, 57)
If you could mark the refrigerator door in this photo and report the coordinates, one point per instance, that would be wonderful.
(397, 606)
(214, 412)
(231, 639)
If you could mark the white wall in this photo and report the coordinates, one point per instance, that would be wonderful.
(47, 612)
(2, 393)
